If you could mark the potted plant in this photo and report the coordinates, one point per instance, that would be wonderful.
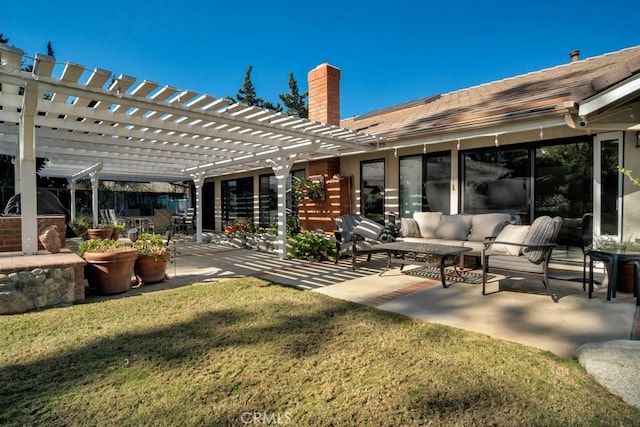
(103, 231)
(153, 255)
(230, 227)
(109, 265)
(242, 223)
(305, 187)
(118, 230)
(80, 225)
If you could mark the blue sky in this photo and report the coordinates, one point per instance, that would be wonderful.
(389, 52)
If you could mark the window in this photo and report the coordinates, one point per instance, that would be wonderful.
(424, 183)
(563, 180)
(372, 190)
(497, 180)
(500, 179)
(237, 199)
(267, 199)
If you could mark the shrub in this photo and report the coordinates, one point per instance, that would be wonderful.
(100, 245)
(149, 244)
(311, 246)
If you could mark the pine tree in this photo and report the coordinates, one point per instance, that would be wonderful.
(294, 101)
(269, 105)
(247, 93)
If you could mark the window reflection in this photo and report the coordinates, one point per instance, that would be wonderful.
(237, 199)
(497, 181)
(372, 190)
(424, 183)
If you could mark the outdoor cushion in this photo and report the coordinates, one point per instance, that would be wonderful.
(409, 227)
(515, 263)
(542, 231)
(487, 225)
(454, 227)
(428, 222)
(345, 224)
(368, 229)
(510, 234)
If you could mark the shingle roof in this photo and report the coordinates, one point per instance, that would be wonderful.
(520, 98)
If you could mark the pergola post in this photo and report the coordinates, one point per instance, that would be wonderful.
(72, 190)
(95, 176)
(198, 181)
(27, 165)
(281, 168)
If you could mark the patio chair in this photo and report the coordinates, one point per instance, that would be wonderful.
(188, 222)
(522, 252)
(356, 235)
(162, 219)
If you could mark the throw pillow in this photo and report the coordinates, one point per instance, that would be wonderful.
(487, 225)
(510, 234)
(454, 227)
(541, 232)
(409, 227)
(428, 223)
(368, 229)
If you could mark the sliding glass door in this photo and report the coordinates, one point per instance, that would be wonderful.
(608, 184)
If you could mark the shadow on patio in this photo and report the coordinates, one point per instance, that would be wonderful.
(517, 310)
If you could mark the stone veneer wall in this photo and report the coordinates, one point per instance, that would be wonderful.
(29, 282)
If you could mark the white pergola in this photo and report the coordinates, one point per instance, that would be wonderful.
(94, 124)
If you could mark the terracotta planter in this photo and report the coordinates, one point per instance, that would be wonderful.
(100, 233)
(230, 229)
(625, 277)
(110, 272)
(150, 269)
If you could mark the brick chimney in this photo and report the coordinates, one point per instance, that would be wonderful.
(324, 94)
(574, 55)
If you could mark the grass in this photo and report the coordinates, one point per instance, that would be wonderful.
(246, 351)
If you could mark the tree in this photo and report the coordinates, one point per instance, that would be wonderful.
(247, 94)
(295, 102)
(3, 40)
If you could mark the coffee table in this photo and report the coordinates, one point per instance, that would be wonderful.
(424, 254)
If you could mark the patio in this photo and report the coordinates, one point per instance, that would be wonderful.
(522, 313)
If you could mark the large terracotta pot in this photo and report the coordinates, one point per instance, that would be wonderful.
(100, 233)
(151, 269)
(110, 272)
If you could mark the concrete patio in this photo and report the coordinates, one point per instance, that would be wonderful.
(518, 310)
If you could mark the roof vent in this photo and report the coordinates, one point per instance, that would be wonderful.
(574, 55)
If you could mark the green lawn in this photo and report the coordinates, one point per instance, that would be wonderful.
(246, 351)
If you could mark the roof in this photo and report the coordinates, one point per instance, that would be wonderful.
(513, 100)
(135, 130)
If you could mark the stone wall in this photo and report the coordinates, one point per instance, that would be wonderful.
(33, 282)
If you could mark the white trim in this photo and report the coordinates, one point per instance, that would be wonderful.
(488, 132)
(597, 181)
(610, 96)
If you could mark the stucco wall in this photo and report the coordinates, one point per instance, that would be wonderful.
(631, 201)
